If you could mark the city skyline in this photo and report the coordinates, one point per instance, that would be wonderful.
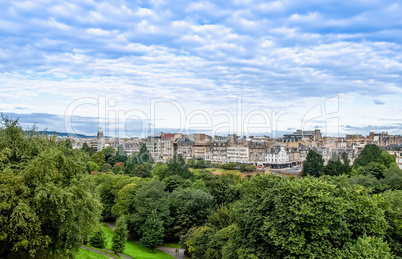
(277, 56)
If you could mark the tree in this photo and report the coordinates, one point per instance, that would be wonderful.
(313, 164)
(89, 150)
(153, 231)
(334, 166)
(108, 151)
(391, 203)
(200, 185)
(93, 167)
(143, 171)
(173, 182)
(160, 170)
(373, 153)
(105, 167)
(151, 196)
(98, 157)
(48, 203)
(281, 217)
(143, 156)
(98, 238)
(120, 236)
(189, 208)
(177, 166)
(346, 163)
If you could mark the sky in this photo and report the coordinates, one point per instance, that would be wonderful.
(245, 67)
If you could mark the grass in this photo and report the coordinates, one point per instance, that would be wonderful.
(86, 254)
(133, 249)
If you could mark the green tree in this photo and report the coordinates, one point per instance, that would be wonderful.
(280, 217)
(391, 203)
(120, 236)
(48, 203)
(98, 238)
(160, 170)
(151, 196)
(200, 185)
(108, 151)
(189, 208)
(153, 231)
(334, 166)
(93, 167)
(313, 163)
(177, 166)
(373, 153)
(89, 150)
(143, 171)
(98, 158)
(143, 156)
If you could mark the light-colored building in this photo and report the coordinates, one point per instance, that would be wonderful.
(219, 149)
(395, 149)
(277, 155)
(153, 144)
(184, 147)
(238, 153)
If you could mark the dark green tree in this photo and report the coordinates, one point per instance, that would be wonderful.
(334, 166)
(189, 208)
(373, 153)
(120, 236)
(151, 196)
(177, 166)
(48, 202)
(313, 163)
(281, 217)
(143, 171)
(143, 157)
(153, 231)
(98, 238)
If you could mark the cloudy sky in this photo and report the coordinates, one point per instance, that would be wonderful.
(214, 66)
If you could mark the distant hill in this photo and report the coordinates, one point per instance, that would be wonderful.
(64, 134)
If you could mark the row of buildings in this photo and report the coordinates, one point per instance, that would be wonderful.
(288, 151)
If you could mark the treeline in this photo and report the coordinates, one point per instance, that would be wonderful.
(53, 197)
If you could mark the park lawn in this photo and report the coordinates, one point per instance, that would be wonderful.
(139, 251)
(133, 249)
(86, 254)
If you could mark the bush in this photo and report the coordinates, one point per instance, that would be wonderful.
(98, 238)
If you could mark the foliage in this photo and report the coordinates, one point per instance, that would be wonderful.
(93, 166)
(89, 150)
(198, 163)
(143, 171)
(288, 218)
(177, 166)
(189, 208)
(151, 196)
(153, 231)
(48, 203)
(173, 182)
(120, 236)
(143, 156)
(200, 185)
(313, 163)
(98, 238)
(108, 151)
(160, 170)
(105, 167)
(220, 187)
(367, 247)
(373, 153)
(98, 158)
(108, 188)
(391, 203)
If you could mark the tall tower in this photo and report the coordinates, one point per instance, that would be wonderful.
(101, 142)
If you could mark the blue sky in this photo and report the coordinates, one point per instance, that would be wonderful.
(203, 58)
